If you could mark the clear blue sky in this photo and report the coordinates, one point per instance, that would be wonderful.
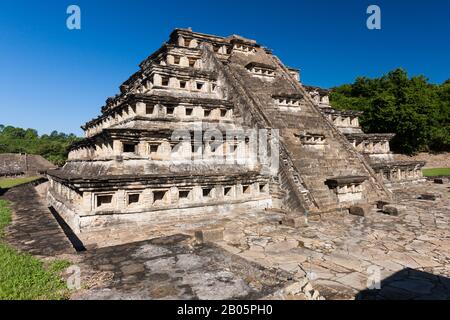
(52, 78)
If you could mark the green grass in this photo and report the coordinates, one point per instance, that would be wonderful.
(5, 216)
(22, 276)
(434, 172)
(12, 182)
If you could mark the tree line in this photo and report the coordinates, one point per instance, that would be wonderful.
(417, 111)
(53, 147)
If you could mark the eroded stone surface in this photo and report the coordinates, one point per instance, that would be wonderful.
(338, 251)
(177, 268)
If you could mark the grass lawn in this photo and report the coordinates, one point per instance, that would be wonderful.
(5, 217)
(433, 172)
(23, 277)
(12, 182)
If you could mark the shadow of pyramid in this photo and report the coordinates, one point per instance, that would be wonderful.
(409, 284)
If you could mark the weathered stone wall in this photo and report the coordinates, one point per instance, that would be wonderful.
(119, 227)
(139, 204)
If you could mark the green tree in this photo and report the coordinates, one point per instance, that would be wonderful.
(417, 111)
(53, 147)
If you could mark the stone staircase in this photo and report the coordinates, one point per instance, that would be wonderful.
(303, 171)
(346, 152)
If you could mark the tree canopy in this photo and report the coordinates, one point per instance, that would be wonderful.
(53, 147)
(416, 110)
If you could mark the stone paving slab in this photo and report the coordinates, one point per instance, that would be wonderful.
(33, 228)
(175, 268)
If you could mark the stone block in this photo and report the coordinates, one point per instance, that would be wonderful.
(315, 295)
(427, 196)
(381, 204)
(294, 221)
(308, 288)
(209, 235)
(390, 210)
(359, 210)
(296, 287)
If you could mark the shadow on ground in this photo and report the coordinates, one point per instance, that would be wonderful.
(409, 284)
(73, 238)
(3, 191)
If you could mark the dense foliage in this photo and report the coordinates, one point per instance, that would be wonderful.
(417, 111)
(53, 147)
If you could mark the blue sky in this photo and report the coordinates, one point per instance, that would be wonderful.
(52, 78)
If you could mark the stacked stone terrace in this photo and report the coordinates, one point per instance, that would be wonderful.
(373, 146)
(174, 146)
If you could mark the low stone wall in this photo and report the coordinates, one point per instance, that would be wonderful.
(68, 215)
(438, 160)
(402, 183)
(128, 227)
(172, 217)
(41, 187)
